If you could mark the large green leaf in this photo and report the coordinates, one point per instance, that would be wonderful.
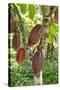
(53, 33)
(23, 8)
(31, 11)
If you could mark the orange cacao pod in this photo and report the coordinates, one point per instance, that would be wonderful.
(16, 42)
(20, 55)
(37, 62)
(35, 35)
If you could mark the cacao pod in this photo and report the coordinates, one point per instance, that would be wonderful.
(16, 42)
(37, 62)
(20, 55)
(35, 35)
(13, 26)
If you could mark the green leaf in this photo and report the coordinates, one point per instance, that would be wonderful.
(53, 28)
(53, 33)
(23, 8)
(31, 11)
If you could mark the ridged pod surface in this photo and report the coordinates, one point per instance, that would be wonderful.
(35, 35)
(20, 55)
(37, 62)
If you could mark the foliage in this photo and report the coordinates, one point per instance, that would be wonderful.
(50, 68)
(53, 34)
(20, 74)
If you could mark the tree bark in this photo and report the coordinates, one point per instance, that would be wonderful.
(38, 81)
(44, 43)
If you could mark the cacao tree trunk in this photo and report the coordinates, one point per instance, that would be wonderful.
(38, 81)
(44, 43)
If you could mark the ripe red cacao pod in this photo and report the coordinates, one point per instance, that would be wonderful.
(37, 62)
(16, 42)
(20, 55)
(35, 35)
